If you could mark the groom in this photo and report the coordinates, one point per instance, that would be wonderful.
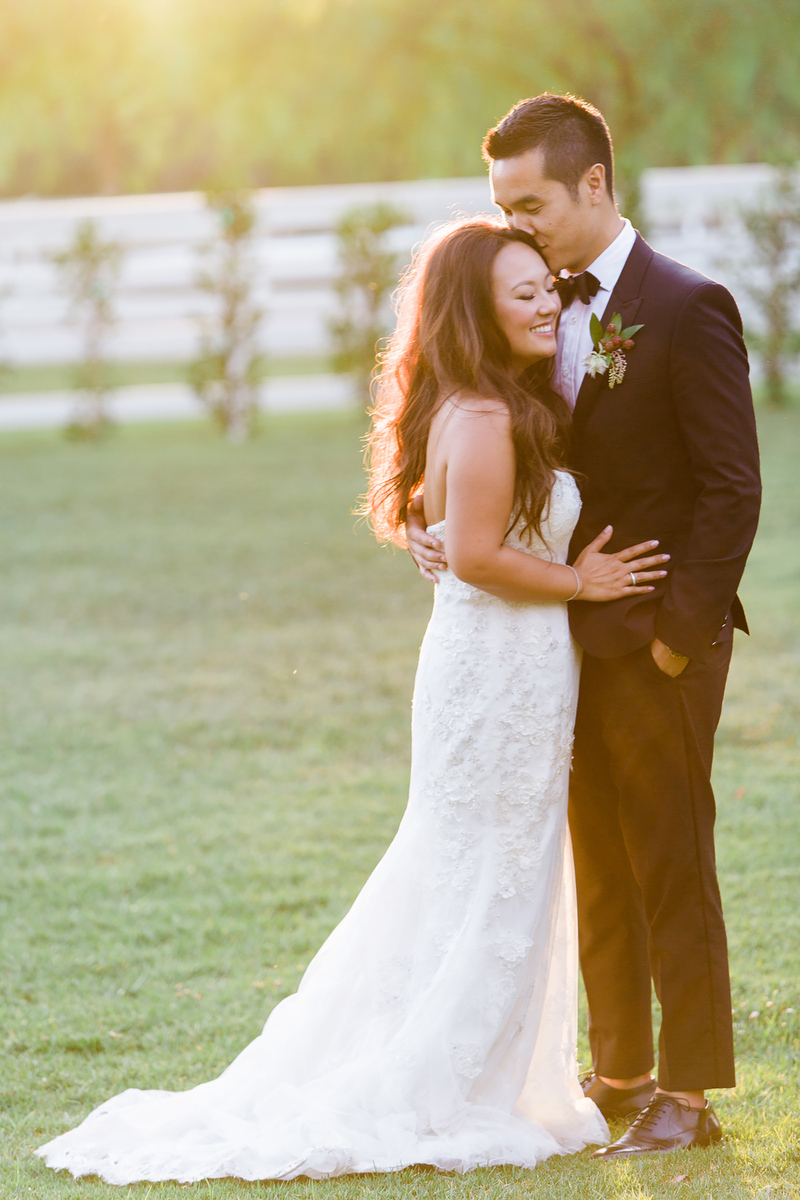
(670, 452)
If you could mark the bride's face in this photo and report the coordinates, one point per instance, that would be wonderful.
(526, 303)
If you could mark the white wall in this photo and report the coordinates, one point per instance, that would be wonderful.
(691, 214)
(158, 302)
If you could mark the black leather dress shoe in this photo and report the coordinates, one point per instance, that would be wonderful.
(666, 1124)
(617, 1102)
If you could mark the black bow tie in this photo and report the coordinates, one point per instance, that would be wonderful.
(584, 285)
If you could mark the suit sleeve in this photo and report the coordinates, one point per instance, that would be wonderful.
(713, 402)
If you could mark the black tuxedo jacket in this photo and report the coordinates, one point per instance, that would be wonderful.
(670, 453)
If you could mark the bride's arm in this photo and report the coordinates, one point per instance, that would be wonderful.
(480, 470)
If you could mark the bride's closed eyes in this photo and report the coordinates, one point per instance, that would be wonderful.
(526, 303)
(551, 291)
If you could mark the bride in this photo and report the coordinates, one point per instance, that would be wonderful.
(437, 1024)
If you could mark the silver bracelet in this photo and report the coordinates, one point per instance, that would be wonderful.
(578, 583)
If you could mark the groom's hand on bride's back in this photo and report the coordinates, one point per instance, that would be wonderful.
(426, 551)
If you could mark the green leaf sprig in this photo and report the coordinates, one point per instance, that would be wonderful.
(609, 347)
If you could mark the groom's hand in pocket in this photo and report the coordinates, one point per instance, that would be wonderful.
(671, 664)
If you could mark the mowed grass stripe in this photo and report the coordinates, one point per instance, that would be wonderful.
(206, 680)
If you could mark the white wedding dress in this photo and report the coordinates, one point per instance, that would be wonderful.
(437, 1024)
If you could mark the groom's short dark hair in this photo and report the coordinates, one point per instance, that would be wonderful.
(571, 133)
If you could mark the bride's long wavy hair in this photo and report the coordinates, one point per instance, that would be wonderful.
(448, 341)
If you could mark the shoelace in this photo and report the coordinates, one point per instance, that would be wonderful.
(650, 1114)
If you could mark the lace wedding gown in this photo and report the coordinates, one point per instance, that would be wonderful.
(437, 1024)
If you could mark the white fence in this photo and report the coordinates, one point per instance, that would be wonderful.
(158, 302)
(691, 213)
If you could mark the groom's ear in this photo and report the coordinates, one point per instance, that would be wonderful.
(594, 184)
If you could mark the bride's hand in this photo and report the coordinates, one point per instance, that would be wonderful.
(608, 576)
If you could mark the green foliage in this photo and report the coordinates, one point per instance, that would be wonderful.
(111, 96)
(207, 675)
(368, 274)
(774, 233)
(89, 270)
(228, 370)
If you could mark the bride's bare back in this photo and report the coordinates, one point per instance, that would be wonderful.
(459, 422)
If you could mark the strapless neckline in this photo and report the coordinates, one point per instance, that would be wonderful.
(438, 526)
(558, 522)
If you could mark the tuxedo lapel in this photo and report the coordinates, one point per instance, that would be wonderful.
(625, 300)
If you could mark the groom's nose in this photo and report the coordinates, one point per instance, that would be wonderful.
(521, 221)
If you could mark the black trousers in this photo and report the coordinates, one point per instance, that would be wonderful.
(642, 821)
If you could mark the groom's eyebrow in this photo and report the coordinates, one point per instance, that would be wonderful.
(530, 198)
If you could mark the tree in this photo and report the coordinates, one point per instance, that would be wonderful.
(89, 269)
(93, 97)
(369, 273)
(107, 95)
(773, 229)
(227, 371)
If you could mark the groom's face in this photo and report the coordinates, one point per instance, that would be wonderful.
(561, 223)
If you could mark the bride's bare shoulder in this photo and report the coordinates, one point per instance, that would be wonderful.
(463, 407)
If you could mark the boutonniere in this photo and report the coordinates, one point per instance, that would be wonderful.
(608, 346)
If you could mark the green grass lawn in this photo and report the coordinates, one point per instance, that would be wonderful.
(206, 674)
(46, 377)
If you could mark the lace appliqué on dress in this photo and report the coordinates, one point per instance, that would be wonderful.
(437, 1023)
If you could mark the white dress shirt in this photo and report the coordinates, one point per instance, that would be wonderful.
(574, 336)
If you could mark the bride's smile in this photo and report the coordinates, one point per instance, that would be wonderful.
(526, 303)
